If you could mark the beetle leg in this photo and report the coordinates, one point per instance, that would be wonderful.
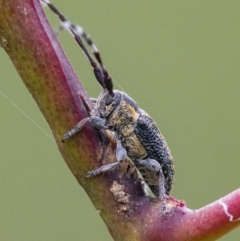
(102, 169)
(153, 165)
(150, 164)
(121, 155)
(98, 122)
(95, 121)
(77, 128)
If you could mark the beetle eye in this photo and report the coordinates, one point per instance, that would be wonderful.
(109, 100)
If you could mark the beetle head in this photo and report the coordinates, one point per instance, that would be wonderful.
(106, 103)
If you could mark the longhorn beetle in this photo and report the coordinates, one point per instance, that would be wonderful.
(137, 135)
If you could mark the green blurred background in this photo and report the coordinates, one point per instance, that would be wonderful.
(180, 61)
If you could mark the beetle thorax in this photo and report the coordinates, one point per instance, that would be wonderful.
(126, 113)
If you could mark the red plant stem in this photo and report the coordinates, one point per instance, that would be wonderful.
(208, 223)
(32, 46)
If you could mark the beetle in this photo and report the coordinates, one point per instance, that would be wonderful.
(136, 134)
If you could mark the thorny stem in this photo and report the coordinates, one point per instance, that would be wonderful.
(31, 45)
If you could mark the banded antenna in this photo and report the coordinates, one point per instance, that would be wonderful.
(101, 73)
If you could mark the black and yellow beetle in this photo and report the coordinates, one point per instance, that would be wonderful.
(136, 134)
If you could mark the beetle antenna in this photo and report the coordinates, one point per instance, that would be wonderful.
(101, 73)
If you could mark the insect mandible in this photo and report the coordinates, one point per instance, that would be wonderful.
(137, 135)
